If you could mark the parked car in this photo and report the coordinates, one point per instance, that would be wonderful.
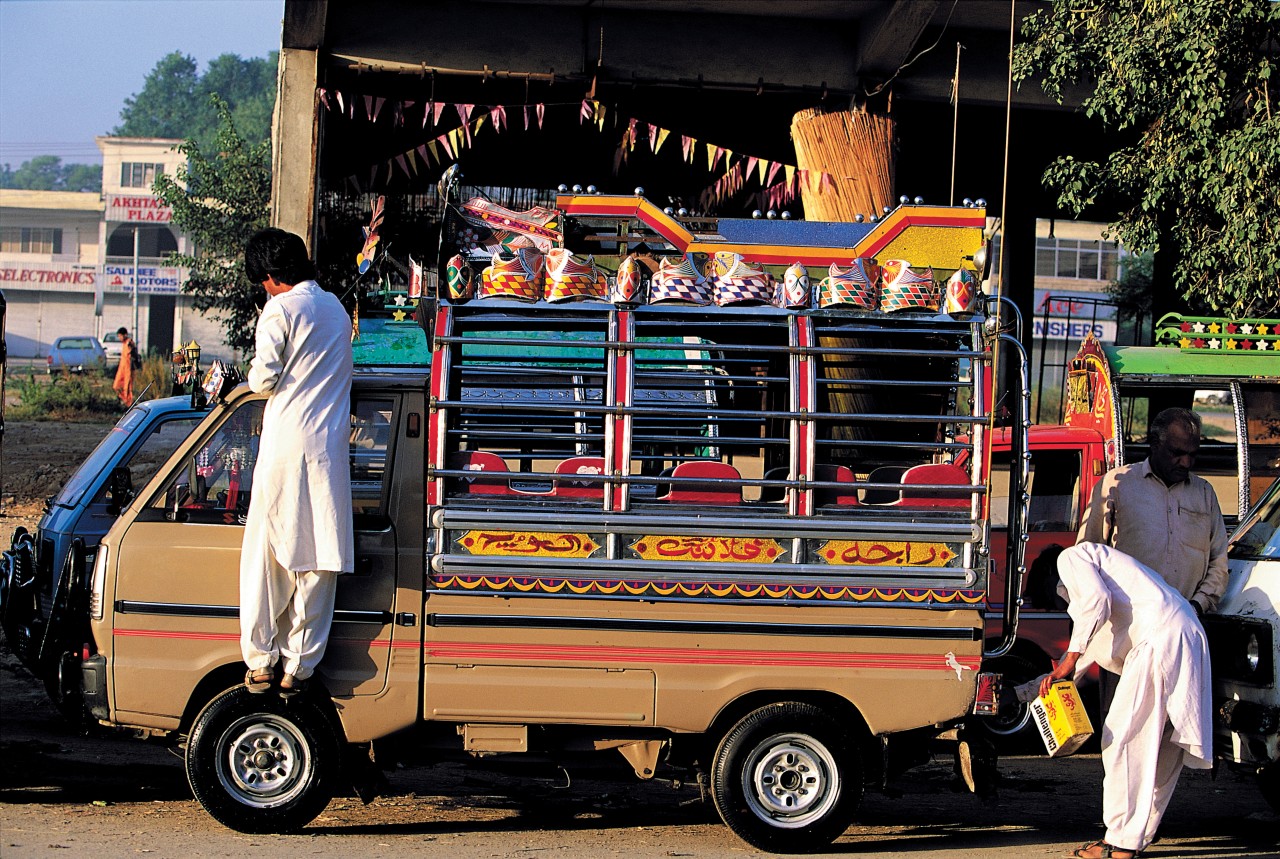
(76, 354)
(113, 347)
(1244, 644)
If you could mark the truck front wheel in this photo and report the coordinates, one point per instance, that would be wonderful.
(787, 778)
(259, 765)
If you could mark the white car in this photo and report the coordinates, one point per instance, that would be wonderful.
(1244, 643)
(112, 345)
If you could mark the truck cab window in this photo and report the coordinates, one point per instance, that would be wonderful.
(372, 423)
(214, 484)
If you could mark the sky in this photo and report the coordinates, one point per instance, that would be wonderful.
(66, 66)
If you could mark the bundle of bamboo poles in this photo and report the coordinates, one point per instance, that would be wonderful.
(857, 150)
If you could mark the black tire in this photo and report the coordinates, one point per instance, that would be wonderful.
(1269, 784)
(260, 765)
(1012, 730)
(787, 778)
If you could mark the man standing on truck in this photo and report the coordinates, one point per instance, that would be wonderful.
(1131, 622)
(298, 535)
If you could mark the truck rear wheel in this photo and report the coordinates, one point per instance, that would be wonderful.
(259, 765)
(1269, 784)
(1011, 729)
(787, 778)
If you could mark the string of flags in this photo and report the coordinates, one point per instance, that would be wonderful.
(447, 145)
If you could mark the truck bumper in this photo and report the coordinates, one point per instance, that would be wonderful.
(93, 686)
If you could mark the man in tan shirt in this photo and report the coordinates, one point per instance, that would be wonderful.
(1160, 513)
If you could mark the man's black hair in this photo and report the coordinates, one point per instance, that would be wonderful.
(1159, 430)
(279, 254)
(122, 331)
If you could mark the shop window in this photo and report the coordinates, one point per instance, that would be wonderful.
(138, 174)
(30, 240)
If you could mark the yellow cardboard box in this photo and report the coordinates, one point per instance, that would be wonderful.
(1061, 720)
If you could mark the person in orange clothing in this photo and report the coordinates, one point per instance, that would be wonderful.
(129, 361)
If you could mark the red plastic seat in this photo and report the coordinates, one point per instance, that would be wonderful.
(723, 486)
(484, 463)
(565, 486)
(835, 474)
(938, 473)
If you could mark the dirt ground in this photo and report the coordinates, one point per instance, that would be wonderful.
(36, 458)
(106, 794)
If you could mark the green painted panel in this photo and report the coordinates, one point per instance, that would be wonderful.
(385, 342)
(1161, 361)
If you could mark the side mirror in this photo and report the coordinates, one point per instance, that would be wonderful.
(119, 490)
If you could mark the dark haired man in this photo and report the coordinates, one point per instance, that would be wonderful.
(1164, 516)
(298, 535)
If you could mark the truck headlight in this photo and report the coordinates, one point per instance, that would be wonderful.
(1252, 652)
(99, 584)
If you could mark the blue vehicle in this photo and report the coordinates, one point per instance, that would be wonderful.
(33, 586)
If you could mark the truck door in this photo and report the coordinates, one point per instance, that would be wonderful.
(176, 599)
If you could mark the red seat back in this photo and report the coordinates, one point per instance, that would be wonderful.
(484, 464)
(565, 485)
(939, 473)
(723, 486)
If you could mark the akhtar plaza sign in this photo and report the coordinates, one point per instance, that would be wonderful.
(137, 209)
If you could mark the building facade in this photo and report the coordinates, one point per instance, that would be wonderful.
(86, 263)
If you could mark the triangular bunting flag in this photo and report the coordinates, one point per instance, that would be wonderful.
(728, 156)
(713, 155)
(377, 108)
(751, 163)
(368, 106)
(662, 137)
(524, 109)
(761, 166)
(324, 97)
(773, 171)
(540, 110)
(686, 147)
(448, 147)
(342, 105)
(499, 114)
(436, 109)
(433, 148)
(464, 112)
(424, 154)
(653, 138)
(789, 171)
(404, 165)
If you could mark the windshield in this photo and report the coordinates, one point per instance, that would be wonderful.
(1259, 537)
(150, 451)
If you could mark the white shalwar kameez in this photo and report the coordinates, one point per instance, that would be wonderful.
(1132, 623)
(298, 534)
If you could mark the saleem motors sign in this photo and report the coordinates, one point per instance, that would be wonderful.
(137, 208)
(152, 280)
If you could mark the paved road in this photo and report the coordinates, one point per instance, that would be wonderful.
(63, 795)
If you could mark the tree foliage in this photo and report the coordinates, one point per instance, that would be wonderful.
(48, 173)
(175, 99)
(1187, 90)
(221, 198)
